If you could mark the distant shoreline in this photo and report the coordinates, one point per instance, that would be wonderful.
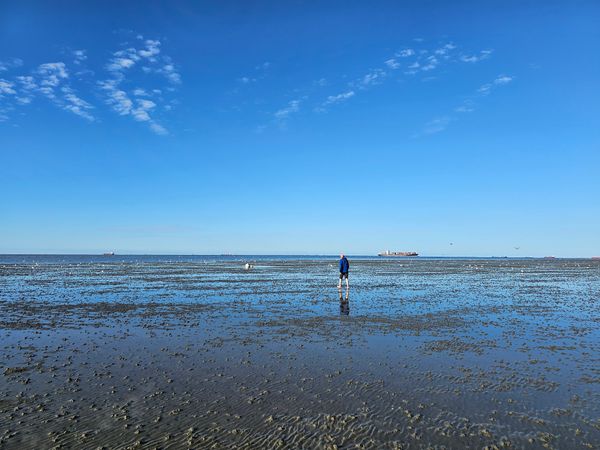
(290, 256)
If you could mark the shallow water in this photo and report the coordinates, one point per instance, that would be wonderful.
(171, 352)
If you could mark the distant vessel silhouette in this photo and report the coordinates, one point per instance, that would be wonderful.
(108, 254)
(387, 253)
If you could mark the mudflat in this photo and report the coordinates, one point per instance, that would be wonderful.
(176, 352)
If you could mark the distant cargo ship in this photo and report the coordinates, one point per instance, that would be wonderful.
(392, 254)
(108, 254)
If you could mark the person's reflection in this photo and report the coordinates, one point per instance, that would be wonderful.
(345, 303)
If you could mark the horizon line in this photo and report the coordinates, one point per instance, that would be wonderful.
(300, 254)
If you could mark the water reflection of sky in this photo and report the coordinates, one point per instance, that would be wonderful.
(495, 329)
(526, 298)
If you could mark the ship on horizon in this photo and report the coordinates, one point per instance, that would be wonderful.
(387, 253)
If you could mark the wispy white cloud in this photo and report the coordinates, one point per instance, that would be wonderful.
(117, 98)
(119, 64)
(415, 61)
(79, 56)
(437, 125)
(503, 79)
(260, 71)
(151, 50)
(125, 59)
(500, 80)
(169, 71)
(431, 62)
(444, 50)
(467, 106)
(484, 54)
(263, 66)
(428, 59)
(76, 105)
(56, 81)
(392, 63)
(28, 87)
(11, 63)
(127, 102)
(485, 89)
(28, 82)
(291, 108)
(405, 53)
(52, 81)
(374, 76)
(413, 68)
(6, 88)
(332, 99)
(140, 113)
(52, 74)
(158, 129)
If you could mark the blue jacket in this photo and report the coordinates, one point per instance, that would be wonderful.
(344, 265)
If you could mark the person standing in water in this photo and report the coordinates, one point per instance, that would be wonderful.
(344, 268)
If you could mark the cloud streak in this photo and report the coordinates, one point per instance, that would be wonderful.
(291, 108)
(79, 56)
(372, 78)
(259, 72)
(77, 105)
(501, 80)
(484, 54)
(137, 82)
(125, 101)
(48, 80)
(405, 53)
(12, 63)
(6, 88)
(414, 61)
(417, 61)
(392, 63)
(438, 125)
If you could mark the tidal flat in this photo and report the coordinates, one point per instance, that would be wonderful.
(197, 352)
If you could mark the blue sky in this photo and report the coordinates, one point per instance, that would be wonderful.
(448, 128)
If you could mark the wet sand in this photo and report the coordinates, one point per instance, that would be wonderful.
(200, 353)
